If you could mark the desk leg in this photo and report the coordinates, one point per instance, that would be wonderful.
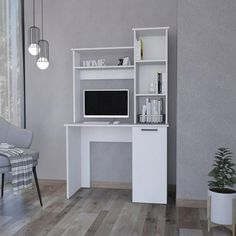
(85, 156)
(73, 160)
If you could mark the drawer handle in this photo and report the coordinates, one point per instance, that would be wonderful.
(149, 129)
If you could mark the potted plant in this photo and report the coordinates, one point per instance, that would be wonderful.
(220, 187)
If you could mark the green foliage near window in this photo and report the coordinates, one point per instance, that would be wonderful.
(223, 172)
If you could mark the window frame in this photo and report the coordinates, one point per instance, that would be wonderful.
(23, 105)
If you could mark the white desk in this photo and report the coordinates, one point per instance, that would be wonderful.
(149, 157)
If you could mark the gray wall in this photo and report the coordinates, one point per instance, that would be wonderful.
(117, 171)
(206, 91)
(85, 23)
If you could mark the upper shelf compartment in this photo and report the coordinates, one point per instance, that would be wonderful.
(106, 73)
(104, 63)
(151, 45)
(103, 57)
(103, 67)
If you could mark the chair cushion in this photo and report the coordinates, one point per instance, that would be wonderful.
(5, 164)
(13, 135)
(18, 137)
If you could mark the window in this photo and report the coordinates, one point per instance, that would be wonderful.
(11, 62)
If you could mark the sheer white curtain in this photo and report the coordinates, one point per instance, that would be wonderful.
(11, 62)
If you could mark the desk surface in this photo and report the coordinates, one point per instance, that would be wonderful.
(96, 124)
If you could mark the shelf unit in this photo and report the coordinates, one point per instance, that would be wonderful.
(142, 72)
(108, 74)
(152, 60)
(148, 138)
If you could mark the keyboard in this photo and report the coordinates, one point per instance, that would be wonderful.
(96, 122)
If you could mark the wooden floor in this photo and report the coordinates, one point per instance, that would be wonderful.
(97, 212)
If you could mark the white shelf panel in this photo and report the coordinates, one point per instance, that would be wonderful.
(108, 73)
(149, 95)
(129, 48)
(143, 32)
(103, 67)
(115, 125)
(151, 62)
(150, 28)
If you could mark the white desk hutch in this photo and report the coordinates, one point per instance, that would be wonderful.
(149, 139)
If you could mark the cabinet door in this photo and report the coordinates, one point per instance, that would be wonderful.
(149, 164)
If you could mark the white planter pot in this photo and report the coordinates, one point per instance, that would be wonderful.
(221, 207)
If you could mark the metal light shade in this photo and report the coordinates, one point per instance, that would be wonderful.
(43, 56)
(34, 33)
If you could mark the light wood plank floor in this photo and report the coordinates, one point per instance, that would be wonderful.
(97, 212)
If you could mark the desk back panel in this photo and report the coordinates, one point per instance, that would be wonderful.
(111, 162)
(99, 134)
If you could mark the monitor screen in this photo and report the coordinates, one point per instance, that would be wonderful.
(112, 103)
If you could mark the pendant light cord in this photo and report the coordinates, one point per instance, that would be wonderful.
(33, 12)
(42, 18)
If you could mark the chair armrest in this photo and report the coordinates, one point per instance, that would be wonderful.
(21, 138)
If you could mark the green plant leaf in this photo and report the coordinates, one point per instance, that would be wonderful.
(223, 172)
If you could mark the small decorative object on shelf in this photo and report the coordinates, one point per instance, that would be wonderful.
(152, 88)
(99, 62)
(150, 119)
(152, 111)
(120, 63)
(124, 61)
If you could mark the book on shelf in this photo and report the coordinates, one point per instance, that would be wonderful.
(161, 83)
(139, 50)
(160, 106)
(164, 83)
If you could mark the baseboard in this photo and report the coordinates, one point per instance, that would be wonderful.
(52, 181)
(102, 184)
(115, 185)
(191, 203)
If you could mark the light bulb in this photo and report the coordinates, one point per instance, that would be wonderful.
(34, 49)
(42, 63)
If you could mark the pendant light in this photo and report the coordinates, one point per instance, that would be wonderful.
(33, 33)
(43, 55)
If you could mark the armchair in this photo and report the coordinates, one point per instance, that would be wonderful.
(20, 138)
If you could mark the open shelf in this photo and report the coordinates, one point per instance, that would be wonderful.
(103, 67)
(147, 32)
(149, 95)
(151, 74)
(151, 62)
(105, 49)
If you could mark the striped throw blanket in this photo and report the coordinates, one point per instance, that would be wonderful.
(21, 167)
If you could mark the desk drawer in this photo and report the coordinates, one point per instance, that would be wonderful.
(149, 164)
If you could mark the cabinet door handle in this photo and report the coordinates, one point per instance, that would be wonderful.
(149, 129)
